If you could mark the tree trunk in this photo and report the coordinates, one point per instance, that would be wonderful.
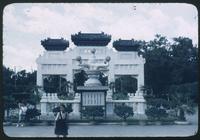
(182, 115)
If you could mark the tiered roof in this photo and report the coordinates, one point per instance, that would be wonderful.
(91, 39)
(126, 45)
(55, 44)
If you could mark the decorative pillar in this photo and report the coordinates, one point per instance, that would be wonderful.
(76, 106)
(43, 108)
(134, 105)
(43, 103)
(70, 74)
(138, 86)
(140, 81)
(76, 109)
(139, 101)
(109, 95)
(109, 108)
(140, 108)
(39, 76)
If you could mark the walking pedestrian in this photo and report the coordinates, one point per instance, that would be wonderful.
(61, 122)
(19, 115)
(22, 113)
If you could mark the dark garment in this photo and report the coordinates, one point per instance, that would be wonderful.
(61, 126)
(23, 117)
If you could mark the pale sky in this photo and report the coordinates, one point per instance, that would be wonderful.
(25, 25)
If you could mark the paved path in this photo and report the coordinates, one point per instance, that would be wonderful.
(104, 131)
(107, 130)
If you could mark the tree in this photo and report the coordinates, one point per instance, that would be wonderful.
(32, 113)
(8, 89)
(185, 61)
(112, 86)
(155, 113)
(37, 94)
(55, 83)
(18, 87)
(123, 111)
(93, 111)
(158, 102)
(169, 63)
(158, 64)
(103, 79)
(9, 103)
(79, 79)
(156, 108)
(181, 98)
(33, 99)
(125, 84)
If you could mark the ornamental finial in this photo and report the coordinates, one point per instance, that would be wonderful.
(93, 51)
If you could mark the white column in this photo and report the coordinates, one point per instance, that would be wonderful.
(134, 107)
(138, 86)
(140, 108)
(142, 75)
(76, 106)
(43, 103)
(70, 77)
(133, 103)
(39, 76)
(139, 99)
(111, 76)
(140, 79)
(76, 109)
(109, 108)
(43, 108)
(70, 73)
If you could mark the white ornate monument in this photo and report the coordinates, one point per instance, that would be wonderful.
(93, 93)
(92, 52)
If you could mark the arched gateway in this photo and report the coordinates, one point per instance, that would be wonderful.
(94, 54)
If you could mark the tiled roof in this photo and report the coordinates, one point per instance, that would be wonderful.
(55, 44)
(91, 39)
(126, 45)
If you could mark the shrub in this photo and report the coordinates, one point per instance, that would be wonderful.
(120, 96)
(12, 118)
(93, 111)
(32, 113)
(155, 113)
(123, 111)
(68, 109)
(158, 102)
(65, 96)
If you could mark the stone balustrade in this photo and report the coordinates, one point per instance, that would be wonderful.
(50, 100)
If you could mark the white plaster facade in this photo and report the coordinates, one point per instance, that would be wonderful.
(64, 63)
